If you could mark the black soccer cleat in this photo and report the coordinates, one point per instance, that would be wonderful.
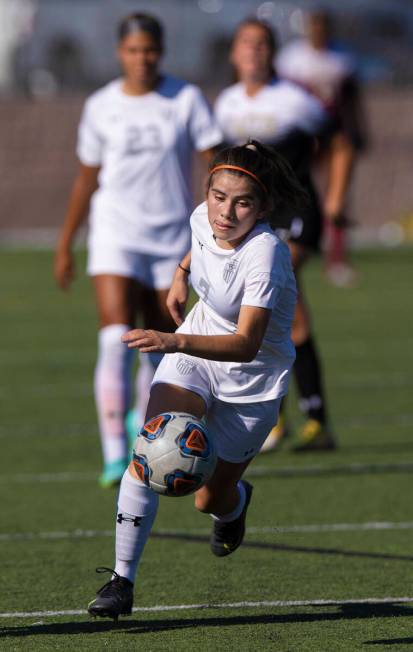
(227, 537)
(114, 599)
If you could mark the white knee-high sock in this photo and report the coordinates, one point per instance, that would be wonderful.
(148, 363)
(112, 390)
(137, 508)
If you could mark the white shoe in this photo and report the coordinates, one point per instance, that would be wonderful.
(342, 275)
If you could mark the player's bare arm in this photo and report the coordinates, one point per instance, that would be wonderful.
(179, 292)
(340, 168)
(242, 346)
(83, 188)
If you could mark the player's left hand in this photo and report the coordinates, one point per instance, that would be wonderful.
(149, 340)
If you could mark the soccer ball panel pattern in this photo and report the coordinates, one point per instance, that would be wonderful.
(174, 454)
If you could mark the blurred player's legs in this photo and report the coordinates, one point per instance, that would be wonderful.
(127, 283)
(155, 315)
(308, 373)
(112, 383)
(315, 434)
(116, 301)
(338, 268)
(148, 364)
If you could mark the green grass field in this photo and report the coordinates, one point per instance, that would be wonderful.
(56, 524)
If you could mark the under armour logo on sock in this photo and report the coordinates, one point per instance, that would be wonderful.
(136, 520)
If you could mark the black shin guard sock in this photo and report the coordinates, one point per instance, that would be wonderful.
(283, 403)
(308, 377)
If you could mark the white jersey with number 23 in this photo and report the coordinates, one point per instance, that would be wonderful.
(144, 145)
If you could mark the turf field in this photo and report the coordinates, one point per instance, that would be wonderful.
(328, 554)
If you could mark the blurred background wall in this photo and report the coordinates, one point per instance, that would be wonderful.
(55, 52)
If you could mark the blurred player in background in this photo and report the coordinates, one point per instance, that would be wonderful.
(330, 75)
(136, 138)
(230, 359)
(285, 116)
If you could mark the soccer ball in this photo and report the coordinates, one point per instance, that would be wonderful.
(174, 454)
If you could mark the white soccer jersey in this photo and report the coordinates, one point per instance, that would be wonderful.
(256, 273)
(277, 109)
(144, 146)
(321, 71)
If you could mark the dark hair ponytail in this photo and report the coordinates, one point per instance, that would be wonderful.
(276, 184)
(141, 23)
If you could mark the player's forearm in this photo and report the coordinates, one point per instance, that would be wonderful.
(185, 263)
(225, 348)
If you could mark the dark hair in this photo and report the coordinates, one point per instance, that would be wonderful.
(277, 186)
(141, 23)
(266, 27)
(321, 13)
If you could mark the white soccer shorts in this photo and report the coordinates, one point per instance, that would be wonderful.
(238, 429)
(154, 272)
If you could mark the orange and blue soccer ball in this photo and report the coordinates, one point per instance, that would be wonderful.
(174, 454)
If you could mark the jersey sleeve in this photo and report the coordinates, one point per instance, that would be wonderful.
(265, 277)
(203, 127)
(89, 141)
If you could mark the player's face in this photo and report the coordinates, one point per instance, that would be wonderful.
(252, 54)
(139, 56)
(233, 208)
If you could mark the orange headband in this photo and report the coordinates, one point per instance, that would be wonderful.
(224, 166)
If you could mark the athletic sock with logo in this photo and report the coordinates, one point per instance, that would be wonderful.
(137, 508)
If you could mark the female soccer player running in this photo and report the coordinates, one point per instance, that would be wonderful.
(230, 359)
(136, 139)
(284, 116)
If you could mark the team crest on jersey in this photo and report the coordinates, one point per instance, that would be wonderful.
(229, 270)
(185, 366)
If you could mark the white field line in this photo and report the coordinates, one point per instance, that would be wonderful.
(256, 471)
(219, 606)
(276, 529)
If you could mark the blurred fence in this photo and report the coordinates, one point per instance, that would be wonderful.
(38, 164)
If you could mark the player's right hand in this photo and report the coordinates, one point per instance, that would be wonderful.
(64, 268)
